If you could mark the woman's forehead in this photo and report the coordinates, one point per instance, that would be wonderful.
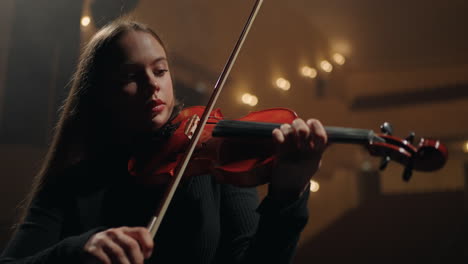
(138, 47)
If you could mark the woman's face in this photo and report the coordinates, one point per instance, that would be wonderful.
(143, 98)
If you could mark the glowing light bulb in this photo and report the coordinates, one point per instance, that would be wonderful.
(85, 21)
(465, 147)
(249, 99)
(283, 84)
(253, 100)
(326, 66)
(246, 98)
(307, 71)
(339, 59)
(314, 186)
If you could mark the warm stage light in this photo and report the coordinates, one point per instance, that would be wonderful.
(465, 147)
(339, 59)
(307, 71)
(85, 21)
(326, 66)
(314, 186)
(249, 99)
(254, 101)
(246, 98)
(283, 84)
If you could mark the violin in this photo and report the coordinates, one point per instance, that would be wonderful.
(241, 151)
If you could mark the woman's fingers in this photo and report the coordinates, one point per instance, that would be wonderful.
(301, 134)
(99, 255)
(318, 139)
(301, 137)
(280, 134)
(123, 245)
(142, 235)
(115, 252)
(131, 246)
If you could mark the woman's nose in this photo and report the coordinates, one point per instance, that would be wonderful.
(154, 86)
(152, 82)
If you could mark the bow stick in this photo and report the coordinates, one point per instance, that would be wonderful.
(157, 218)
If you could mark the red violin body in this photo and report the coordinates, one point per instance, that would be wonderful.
(241, 151)
(231, 160)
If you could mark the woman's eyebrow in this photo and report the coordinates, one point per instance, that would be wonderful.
(131, 63)
(159, 59)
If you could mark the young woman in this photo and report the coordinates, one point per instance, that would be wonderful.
(86, 208)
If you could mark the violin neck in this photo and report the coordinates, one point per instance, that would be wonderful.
(235, 128)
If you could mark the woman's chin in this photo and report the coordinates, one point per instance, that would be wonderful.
(157, 122)
(160, 119)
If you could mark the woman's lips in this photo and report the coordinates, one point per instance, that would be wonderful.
(158, 108)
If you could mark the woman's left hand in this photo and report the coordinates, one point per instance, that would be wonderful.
(300, 148)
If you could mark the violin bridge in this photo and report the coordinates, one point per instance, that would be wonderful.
(191, 126)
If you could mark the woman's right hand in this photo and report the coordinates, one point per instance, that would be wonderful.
(122, 245)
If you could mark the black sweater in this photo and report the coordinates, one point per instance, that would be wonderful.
(207, 222)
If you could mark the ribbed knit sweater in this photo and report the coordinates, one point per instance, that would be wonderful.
(207, 222)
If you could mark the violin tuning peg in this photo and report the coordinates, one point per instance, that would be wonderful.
(384, 162)
(410, 137)
(408, 172)
(386, 128)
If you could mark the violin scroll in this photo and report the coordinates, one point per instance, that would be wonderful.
(429, 155)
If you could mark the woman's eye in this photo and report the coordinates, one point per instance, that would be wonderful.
(160, 72)
(128, 77)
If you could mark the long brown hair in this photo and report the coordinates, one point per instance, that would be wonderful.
(80, 129)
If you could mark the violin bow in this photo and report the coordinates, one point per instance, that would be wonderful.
(158, 216)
